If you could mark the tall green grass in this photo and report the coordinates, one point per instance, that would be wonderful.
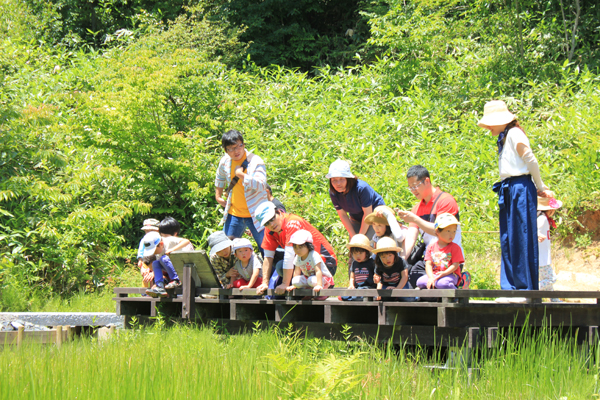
(184, 363)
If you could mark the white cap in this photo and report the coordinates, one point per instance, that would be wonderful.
(241, 243)
(339, 169)
(151, 240)
(300, 237)
(264, 212)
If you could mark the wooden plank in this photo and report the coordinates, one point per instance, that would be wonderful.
(518, 314)
(410, 335)
(406, 315)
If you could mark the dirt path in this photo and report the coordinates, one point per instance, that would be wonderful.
(577, 269)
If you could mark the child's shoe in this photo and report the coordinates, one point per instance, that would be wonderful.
(158, 291)
(173, 284)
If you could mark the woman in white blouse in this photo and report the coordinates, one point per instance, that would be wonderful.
(517, 198)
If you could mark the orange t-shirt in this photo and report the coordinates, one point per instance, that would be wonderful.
(239, 207)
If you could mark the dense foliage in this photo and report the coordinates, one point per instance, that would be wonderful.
(95, 138)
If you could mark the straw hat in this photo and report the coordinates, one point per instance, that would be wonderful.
(548, 203)
(495, 113)
(360, 241)
(386, 244)
(374, 219)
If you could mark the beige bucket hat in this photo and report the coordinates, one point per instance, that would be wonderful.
(496, 113)
(360, 241)
(386, 244)
(548, 203)
(374, 219)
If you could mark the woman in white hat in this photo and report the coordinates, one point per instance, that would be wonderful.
(352, 198)
(517, 198)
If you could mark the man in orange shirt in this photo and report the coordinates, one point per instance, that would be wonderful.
(279, 227)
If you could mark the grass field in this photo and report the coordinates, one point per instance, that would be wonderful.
(184, 362)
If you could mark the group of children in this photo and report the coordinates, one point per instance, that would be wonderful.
(378, 263)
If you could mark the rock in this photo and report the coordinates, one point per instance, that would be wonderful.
(16, 325)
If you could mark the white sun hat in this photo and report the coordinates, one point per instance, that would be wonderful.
(339, 169)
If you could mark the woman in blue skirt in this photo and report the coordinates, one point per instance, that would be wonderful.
(517, 198)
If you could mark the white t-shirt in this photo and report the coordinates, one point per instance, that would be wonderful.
(544, 247)
(307, 266)
(510, 163)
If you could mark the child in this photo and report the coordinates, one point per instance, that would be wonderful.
(248, 266)
(383, 220)
(169, 230)
(363, 266)
(221, 257)
(149, 225)
(154, 245)
(443, 257)
(517, 199)
(546, 208)
(391, 271)
(309, 268)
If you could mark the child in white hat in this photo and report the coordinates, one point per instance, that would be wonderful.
(546, 209)
(248, 265)
(309, 268)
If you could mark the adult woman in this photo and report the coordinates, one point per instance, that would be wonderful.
(352, 198)
(517, 198)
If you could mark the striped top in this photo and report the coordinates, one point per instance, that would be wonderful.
(255, 183)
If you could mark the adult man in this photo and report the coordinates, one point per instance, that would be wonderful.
(245, 176)
(280, 226)
(422, 217)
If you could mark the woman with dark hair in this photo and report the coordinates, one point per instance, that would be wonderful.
(352, 198)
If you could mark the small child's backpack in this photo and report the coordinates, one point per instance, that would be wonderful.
(464, 281)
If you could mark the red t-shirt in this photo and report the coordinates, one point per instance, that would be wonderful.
(289, 225)
(443, 257)
(446, 204)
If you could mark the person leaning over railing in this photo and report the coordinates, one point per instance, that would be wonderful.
(352, 198)
(280, 226)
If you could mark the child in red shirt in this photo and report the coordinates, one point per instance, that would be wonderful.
(443, 258)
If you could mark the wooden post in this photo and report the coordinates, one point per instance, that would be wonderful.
(20, 336)
(492, 337)
(69, 332)
(58, 336)
(188, 310)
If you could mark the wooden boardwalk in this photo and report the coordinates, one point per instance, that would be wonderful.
(449, 317)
